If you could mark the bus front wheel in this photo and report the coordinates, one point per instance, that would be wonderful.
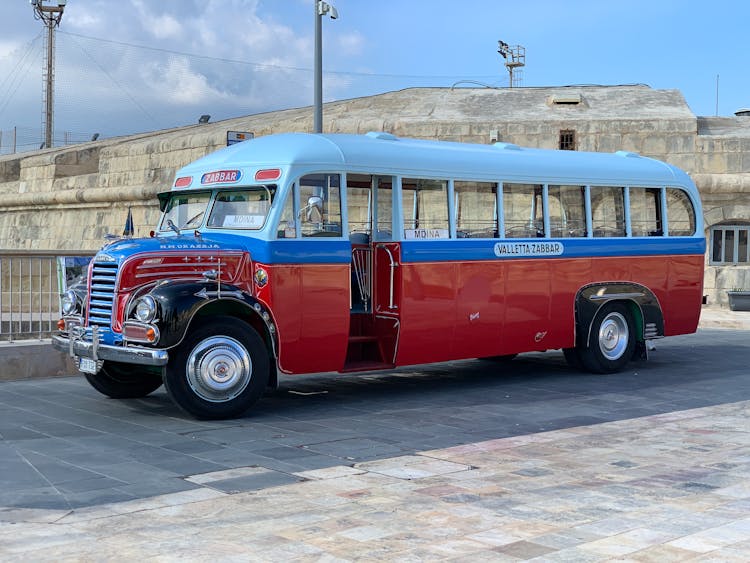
(219, 371)
(611, 340)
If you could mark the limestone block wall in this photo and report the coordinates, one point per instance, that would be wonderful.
(69, 198)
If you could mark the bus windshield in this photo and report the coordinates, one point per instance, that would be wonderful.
(185, 210)
(243, 208)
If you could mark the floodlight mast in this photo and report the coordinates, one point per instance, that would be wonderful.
(50, 16)
(321, 9)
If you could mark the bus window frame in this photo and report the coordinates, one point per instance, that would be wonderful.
(397, 220)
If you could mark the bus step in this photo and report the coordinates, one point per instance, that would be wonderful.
(362, 338)
(365, 365)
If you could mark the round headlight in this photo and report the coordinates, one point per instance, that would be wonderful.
(145, 309)
(69, 302)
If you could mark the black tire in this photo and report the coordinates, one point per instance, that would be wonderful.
(124, 381)
(573, 357)
(219, 371)
(611, 341)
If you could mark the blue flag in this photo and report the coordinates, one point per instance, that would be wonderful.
(129, 229)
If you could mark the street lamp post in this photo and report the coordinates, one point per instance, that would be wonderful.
(321, 9)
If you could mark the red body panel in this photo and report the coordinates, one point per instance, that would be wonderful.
(310, 305)
(527, 305)
(454, 310)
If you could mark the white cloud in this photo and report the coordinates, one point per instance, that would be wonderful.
(107, 83)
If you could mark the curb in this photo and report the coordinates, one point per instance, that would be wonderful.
(33, 359)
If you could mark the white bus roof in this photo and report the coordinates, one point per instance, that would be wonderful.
(383, 153)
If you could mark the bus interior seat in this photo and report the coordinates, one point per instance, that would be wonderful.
(359, 238)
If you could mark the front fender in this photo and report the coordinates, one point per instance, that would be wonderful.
(181, 301)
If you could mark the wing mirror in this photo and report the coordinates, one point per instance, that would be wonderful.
(313, 203)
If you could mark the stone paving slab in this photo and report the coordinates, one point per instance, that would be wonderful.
(64, 446)
(667, 487)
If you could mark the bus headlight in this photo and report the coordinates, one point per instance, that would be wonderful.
(145, 309)
(69, 302)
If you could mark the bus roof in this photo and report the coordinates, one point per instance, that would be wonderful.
(383, 153)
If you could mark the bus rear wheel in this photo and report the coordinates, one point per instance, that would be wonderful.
(219, 371)
(124, 381)
(611, 340)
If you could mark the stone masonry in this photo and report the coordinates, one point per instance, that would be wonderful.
(68, 198)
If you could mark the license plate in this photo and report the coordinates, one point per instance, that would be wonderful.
(87, 365)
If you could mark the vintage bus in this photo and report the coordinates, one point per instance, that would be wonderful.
(301, 253)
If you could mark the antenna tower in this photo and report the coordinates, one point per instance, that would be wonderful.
(515, 60)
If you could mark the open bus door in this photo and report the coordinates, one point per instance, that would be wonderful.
(374, 323)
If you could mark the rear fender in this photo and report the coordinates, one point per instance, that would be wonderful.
(643, 305)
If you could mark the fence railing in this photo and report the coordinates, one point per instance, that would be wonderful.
(22, 139)
(31, 283)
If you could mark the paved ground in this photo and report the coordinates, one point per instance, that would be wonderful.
(468, 459)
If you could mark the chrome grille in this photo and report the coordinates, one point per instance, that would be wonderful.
(102, 293)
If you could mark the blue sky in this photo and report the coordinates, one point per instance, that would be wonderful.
(126, 66)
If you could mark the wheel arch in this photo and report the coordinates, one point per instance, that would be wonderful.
(183, 303)
(641, 302)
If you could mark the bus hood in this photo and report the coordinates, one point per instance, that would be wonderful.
(120, 250)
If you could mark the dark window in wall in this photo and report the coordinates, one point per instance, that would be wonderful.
(729, 244)
(567, 140)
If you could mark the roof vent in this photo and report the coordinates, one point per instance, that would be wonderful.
(565, 99)
(742, 112)
(506, 146)
(382, 135)
(628, 154)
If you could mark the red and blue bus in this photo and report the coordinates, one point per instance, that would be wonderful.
(302, 253)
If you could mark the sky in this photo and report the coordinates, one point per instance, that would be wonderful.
(129, 66)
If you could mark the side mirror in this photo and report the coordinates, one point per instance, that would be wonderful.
(313, 203)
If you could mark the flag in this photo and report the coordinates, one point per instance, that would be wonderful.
(129, 229)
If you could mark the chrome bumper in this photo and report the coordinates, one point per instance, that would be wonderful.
(96, 351)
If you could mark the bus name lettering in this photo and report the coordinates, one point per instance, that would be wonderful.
(425, 234)
(519, 249)
(220, 177)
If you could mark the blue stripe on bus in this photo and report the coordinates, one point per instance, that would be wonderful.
(322, 251)
(293, 251)
(483, 249)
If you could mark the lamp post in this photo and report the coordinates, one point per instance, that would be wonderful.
(50, 16)
(321, 9)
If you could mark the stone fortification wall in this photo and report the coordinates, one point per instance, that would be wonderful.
(69, 198)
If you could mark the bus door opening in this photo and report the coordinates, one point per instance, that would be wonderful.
(374, 321)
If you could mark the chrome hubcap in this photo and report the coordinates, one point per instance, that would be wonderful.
(613, 336)
(219, 368)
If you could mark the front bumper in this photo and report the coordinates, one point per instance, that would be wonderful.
(76, 346)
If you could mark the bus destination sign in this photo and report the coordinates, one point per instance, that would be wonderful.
(221, 177)
(525, 249)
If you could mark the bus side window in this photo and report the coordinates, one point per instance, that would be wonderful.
(645, 212)
(287, 223)
(680, 213)
(607, 211)
(567, 211)
(320, 205)
(425, 206)
(523, 211)
(359, 204)
(476, 209)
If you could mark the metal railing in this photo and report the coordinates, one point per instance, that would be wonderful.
(31, 283)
